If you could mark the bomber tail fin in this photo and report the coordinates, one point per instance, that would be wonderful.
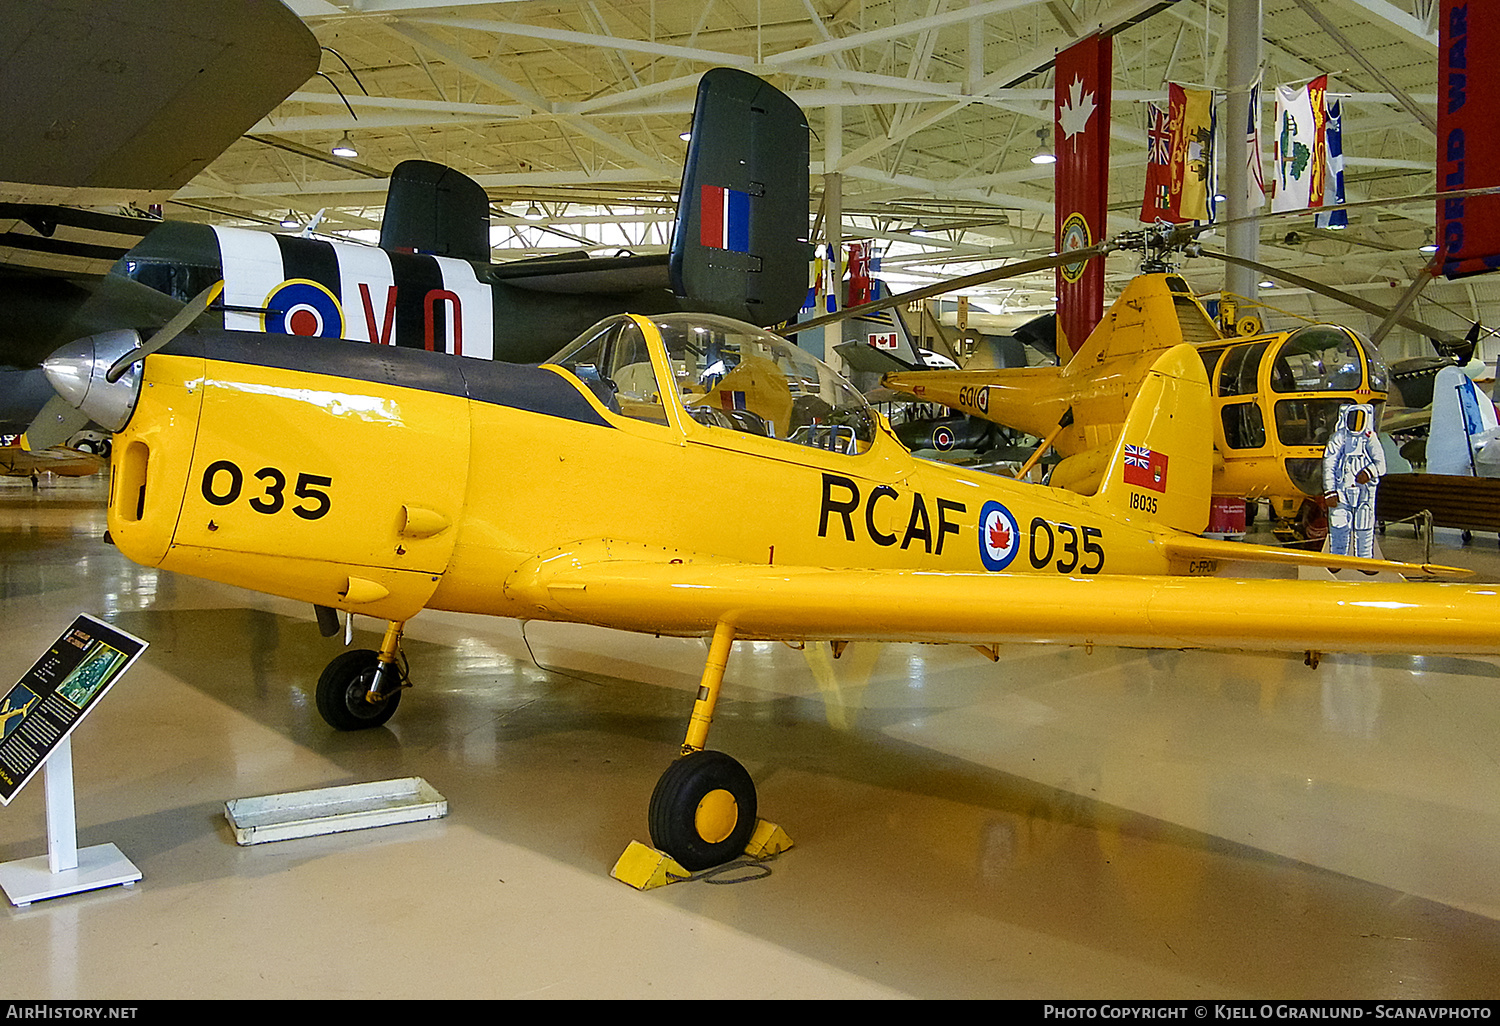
(1162, 466)
(741, 246)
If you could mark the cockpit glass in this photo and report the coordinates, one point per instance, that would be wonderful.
(612, 361)
(730, 374)
(1324, 358)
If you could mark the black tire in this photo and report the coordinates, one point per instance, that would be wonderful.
(342, 689)
(674, 815)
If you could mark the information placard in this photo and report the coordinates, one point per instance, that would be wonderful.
(55, 695)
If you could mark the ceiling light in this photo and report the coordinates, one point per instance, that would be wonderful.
(1266, 283)
(290, 220)
(534, 213)
(919, 229)
(1429, 247)
(345, 148)
(685, 135)
(1043, 154)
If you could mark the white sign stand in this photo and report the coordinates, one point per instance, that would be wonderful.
(65, 869)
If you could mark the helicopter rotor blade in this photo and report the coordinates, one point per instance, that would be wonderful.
(1349, 299)
(1014, 270)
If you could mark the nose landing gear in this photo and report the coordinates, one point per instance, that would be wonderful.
(360, 689)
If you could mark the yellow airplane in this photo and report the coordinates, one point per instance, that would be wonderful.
(1276, 395)
(687, 475)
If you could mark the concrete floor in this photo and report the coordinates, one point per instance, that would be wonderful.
(1063, 824)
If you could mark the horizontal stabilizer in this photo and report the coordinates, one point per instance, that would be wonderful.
(1197, 550)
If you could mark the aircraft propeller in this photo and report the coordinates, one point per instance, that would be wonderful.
(74, 371)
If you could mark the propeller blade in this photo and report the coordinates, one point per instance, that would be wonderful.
(184, 317)
(1373, 309)
(56, 423)
(1015, 270)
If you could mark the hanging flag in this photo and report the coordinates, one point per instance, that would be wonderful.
(1255, 181)
(1333, 181)
(1158, 204)
(1192, 125)
(1301, 147)
(1468, 146)
(1081, 179)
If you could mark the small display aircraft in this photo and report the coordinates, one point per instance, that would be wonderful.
(554, 492)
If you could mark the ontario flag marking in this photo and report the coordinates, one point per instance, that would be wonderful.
(1145, 468)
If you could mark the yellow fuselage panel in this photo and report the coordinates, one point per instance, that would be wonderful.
(296, 484)
(561, 489)
(310, 469)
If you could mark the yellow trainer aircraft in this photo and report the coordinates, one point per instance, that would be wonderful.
(687, 475)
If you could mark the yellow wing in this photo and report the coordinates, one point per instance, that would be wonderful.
(770, 602)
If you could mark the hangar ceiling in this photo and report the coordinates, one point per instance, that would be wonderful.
(928, 109)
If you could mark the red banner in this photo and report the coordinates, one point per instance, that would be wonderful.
(1468, 147)
(1081, 136)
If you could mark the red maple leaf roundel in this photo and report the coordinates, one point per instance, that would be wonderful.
(999, 535)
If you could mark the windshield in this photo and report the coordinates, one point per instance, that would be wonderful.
(732, 374)
(1326, 358)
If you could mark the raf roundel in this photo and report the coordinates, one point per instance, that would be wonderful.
(302, 307)
(999, 538)
(942, 439)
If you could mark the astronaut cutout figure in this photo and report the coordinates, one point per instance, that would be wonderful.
(1353, 463)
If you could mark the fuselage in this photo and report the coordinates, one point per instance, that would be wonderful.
(386, 486)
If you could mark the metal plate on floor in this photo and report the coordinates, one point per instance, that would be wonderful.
(331, 810)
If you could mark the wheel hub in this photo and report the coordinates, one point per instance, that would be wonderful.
(717, 815)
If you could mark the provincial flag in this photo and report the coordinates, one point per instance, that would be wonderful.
(1180, 157)
(1192, 118)
(725, 219)
(1333, 181)
(1158, 204)
(1301, 146)
(1255, 181)
(1145, 468)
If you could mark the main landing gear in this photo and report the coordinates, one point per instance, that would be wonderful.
(703, 810)
(360, 688)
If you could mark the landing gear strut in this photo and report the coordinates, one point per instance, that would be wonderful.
(360, 689)
(703, 809)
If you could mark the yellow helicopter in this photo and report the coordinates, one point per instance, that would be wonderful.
(1276, 395)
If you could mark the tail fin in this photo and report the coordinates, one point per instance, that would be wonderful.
(1162, 467)
(741, 246)
(431, 208)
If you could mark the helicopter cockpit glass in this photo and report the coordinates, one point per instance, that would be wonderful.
(1321, 358)
(1316, 360)
(730, 374)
